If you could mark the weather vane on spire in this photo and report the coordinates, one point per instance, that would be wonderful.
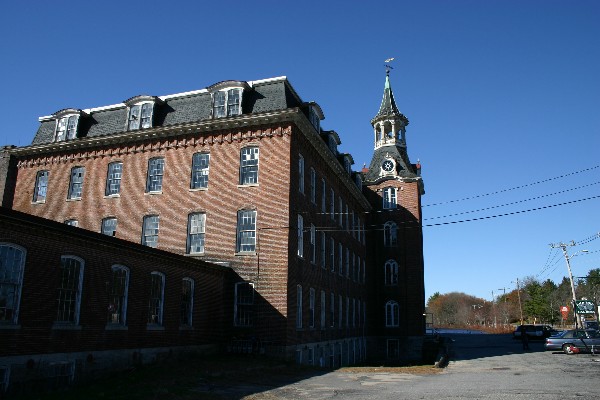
(388, 67)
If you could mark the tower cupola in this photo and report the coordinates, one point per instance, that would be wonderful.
(389, 125)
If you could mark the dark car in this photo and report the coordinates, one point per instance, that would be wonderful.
(575, 341)
(534, 332)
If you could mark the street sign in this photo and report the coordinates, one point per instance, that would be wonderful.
(584, 307)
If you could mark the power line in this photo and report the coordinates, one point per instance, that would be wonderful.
(513, 188)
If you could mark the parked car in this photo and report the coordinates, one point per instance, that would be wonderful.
(534, 332)
(575, 341)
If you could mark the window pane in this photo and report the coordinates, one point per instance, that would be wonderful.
(117, 305)
(109, 226)
(249, 165)
(187, 299)
(246, 231)
(11, 275)
(155, 175)
(113, 179)
(72, 127)
(244, 302)
(41, 186)
(155, 303)
(150, 234)
(219, 105)
(200, 163)
(68, 292)
(134, 117)
(76, 184)
(61, 129)
(146, 118)
(234, 102)
(196, 227)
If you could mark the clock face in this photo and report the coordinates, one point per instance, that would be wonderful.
(387, 166)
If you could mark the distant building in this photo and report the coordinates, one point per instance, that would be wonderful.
(326, 262)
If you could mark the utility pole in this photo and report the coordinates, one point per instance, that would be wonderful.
(563, 246)
(519, 296)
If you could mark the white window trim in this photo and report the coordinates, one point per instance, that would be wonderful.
(226, 103)
(66, 118)
(141, 105)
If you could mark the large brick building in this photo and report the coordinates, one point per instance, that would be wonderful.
(329, 261)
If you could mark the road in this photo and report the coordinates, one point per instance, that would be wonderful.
(481, 367)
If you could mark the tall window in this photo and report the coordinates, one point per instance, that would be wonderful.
(300, 236)
(117, 295)
(187, 301)
(109, 226)
(150, 231)
(244, 303)
(323, 195)
(340, 259)
(200, 171)
(227, 103)
(246, 231)
(299, 307)
(390, 234)
(12, 264)
(140, 116)
(389, 198)
(301, 173)
(347, 262)
(76, 183)
(341, 211)
(332, 204)
(155, 175)
(41, 186)
(156, 298)
(340, 311)
(313, 244)
(68, 298)
(391, 272)
(323, 309)
(196, 229)
(332, 253)
(323, 249)
(313, 185)
(66, 128)
(113, 179)
(332, 309)
(311, 307)
(391, 314)
(249, 166)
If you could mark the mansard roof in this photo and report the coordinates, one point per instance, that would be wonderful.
(267, 95)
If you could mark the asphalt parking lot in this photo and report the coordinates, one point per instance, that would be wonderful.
(481, 367)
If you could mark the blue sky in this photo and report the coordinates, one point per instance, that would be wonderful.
(500, 95)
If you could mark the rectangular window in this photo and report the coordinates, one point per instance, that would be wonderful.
(4, 378)
(200, 163)
(150, 231)
(313, 244)
(155, 175)
(347, 311)
(234, 102)
(332, 253)
(244, 302)
(119, 287)
(187, 301)
(157, 297)
(323, 195)
(72, 222)
(246, 231)
(219, 104)
(332, 204)
(196, 230)
(341, 212)
(313, 186)
(346, 218)
(66, 128)
(41, 186)
(76, 183)
(113, 179)
(340, 311)
(311, 308)
(249, 166)
(12, 261)
(299, 307)
(332, 310)
(140, 115)
(300, 236)
(323, 309)
(389, 198)
(109, 226)
(347, 262)
(340, 259)
(68, 297)
(301, 173)
(323, 249)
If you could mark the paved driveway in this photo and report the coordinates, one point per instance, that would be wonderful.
(482, 367)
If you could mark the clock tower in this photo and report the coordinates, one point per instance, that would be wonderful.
(394, 188)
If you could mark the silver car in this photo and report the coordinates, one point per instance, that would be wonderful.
(575, 341)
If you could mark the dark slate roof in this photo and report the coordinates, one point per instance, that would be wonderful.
(259, 96)
(388, 106)
(404, 168)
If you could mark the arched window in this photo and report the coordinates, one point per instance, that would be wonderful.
(391, 273)
(12, 264)
(117, 297)
(68, 299)
(390, 234)
(392, 314)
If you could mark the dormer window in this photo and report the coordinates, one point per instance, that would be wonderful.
(140, 112)
(314, 118)
(67, 122)
(140, 116)
(227, 103)
(332, 144)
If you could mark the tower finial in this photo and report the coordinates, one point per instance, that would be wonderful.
(388, 67)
